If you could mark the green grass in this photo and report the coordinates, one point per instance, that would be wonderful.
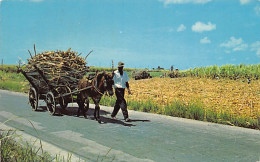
(157, 73)
(107, 101)
(13, 81)
(153, 73)
(11, 85)
(14, 150)
(226, 71)
(147, 106)
(11, 150)
(194, 110)
(233, 72)
(93, 69)
(8, 68)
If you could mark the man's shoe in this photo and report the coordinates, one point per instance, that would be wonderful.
(113, 117)
(127, 120)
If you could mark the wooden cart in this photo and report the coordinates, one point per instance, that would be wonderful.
(56, 92)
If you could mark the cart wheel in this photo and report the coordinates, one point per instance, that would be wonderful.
(51, 104)
(63, 103)
(33, 98)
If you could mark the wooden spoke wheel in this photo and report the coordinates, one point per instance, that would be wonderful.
(63, 103)
(51, 104)
(33, 98)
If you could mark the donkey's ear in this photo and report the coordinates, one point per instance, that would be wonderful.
(113, 73)
(99, 77)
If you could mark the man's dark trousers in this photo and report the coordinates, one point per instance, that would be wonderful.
(120, 102)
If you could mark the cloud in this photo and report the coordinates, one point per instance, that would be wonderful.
(257, 10)
(242, 2)
(256, 47)
(166, 2)
(162, 29)
(240, 47)
(201, 27)
(181, 28)
(235, 44)
(205, 40)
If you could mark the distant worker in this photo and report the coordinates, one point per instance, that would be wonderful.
(172, 68)
(120, 83)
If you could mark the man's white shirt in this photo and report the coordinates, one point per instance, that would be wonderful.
(120, 80)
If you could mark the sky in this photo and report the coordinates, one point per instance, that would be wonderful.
(141, 33)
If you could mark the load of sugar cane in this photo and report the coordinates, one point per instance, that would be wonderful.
(59, 67)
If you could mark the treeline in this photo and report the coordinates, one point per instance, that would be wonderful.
(8, 68)
(109, 69)
(233, 72)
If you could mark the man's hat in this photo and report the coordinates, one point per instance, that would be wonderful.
(121, 64)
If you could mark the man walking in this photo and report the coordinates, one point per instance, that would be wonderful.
(120, 83)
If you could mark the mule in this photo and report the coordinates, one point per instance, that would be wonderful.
(102, 82)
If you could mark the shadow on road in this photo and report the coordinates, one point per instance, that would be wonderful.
(138, 120)
(106, 120)
(41, 109)
(73, 111)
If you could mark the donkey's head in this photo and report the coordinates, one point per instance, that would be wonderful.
(106, 82)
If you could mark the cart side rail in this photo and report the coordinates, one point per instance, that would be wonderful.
(28, 78)
(43, 77)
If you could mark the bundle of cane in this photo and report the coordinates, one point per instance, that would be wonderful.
(59, 66)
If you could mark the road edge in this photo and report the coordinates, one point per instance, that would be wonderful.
(51, 149)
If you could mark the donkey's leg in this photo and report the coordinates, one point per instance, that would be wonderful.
(85, 108)
(79, 101)
(97, 108)
(95, 113)
(87, 104)
(98, 116)
(94, 100)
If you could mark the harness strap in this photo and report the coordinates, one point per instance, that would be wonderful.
(70, 93)
(96, 84)
(96, 88)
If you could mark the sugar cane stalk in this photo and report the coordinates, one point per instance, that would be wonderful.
(88, 54)
(34, 49)
(30, 53)
(112, 67)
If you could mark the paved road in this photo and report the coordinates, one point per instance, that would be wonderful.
(148, 137)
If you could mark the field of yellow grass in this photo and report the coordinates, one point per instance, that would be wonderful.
(222, 95)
